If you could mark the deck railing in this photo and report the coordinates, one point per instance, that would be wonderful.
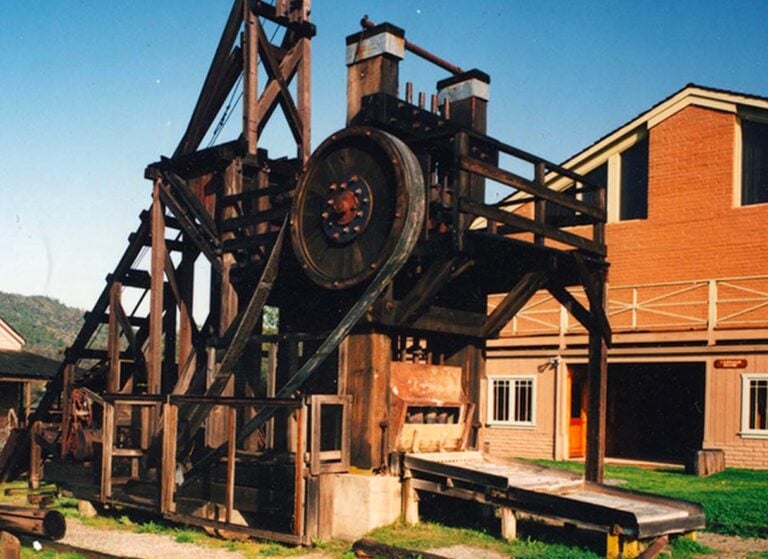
(708, 306)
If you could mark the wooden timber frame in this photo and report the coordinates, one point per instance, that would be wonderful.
(202, 423)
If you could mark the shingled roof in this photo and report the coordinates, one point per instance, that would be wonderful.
(26, 365)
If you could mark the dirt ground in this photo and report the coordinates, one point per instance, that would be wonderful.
(731, 547)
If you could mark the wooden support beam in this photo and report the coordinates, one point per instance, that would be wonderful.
(597, 390)
(66, 394)
(433, 280)
(107, 443)
(113, 338)
(229, 497)
(156, 298)
(274, 71)
(35, 456)
(304, 98)
(573, 306)
(594, 285)
(168, 465)
(250, 47)
(528, 285)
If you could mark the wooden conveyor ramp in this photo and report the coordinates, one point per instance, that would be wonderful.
(552, 494)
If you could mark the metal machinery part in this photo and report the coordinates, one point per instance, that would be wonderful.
(350, 206)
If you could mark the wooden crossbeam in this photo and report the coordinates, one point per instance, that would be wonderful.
(439, 273)
(203, 241)
(270, 96)
(514, 220)
(573, 306)
(515, 300)
(275, 73)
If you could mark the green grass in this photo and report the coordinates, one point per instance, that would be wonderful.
(735, 501)
(429, 535)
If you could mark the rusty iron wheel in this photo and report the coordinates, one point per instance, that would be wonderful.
(350, 205)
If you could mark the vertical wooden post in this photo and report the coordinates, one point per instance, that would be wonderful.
(367, 380)
(299, 489)
(227, 305)
(250, 48)
(229, 497)
(35, 456)
(149, 416)
(539, 206)
(107, 442)
(168, 479)
(410, 502)
(113, 339)
(508, 523)
(186, 291)
(597, 390)
(68, 379)
(303, 92)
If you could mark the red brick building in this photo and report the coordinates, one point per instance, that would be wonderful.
(687, 297)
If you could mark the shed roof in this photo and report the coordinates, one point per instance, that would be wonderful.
(26, 365)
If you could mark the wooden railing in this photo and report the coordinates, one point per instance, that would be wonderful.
(710, 307)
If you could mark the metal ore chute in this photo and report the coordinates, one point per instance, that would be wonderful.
(356, 345)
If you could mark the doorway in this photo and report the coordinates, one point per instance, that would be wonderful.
(655, 410)
(577, 413)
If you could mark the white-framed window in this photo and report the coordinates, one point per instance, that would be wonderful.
(512, 401)
(633, 182)
(754, 405)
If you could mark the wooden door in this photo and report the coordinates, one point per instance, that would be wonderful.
(577, 414)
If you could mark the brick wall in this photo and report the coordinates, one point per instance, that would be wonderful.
(693, 230)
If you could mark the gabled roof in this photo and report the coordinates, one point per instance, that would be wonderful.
(12, 332)
(691, 94)
(26, 365)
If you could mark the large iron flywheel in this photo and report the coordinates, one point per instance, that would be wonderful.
(352, 204)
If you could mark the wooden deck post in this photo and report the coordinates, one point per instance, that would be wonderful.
(410, 503)
(508, 523)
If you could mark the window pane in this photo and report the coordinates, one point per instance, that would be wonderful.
(523, 401)
(501, 400)
(758, 405)
(633, 197)
(754, 163)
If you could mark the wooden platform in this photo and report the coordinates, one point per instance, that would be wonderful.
(551, 494)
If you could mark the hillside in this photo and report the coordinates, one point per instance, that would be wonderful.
(47, 325)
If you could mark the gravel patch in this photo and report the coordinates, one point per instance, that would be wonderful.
(466, 552)
(137, 546)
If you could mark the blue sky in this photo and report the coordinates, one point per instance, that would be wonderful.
(94, 91)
